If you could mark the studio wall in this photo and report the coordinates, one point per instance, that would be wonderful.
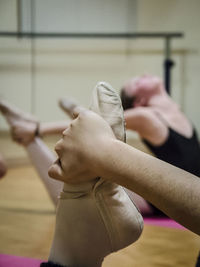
(34, 74)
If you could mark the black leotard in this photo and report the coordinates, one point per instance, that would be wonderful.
(179, 151)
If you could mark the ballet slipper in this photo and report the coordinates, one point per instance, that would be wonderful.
(68, 105)
(96, 218)
(24, 127)
(106, 103)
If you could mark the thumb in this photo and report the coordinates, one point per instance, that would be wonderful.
(55, 171)
(77, 110)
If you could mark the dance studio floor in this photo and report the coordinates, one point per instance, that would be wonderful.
(27, 219)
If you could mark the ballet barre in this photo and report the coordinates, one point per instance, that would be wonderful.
(167, 36)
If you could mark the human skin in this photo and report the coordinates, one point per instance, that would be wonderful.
(50, 128)
(154, 111)
(89, 149)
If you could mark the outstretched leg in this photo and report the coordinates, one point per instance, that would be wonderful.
(95, 218)
(42, 158)
(23, 130)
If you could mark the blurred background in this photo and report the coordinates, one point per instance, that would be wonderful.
(36, 72)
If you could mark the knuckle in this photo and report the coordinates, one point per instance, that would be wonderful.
(85, 114)
(58, 146)
(81, 115)
(66, 132)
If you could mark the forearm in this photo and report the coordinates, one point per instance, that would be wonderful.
(89, 143)
(171, 189)
(47, 128)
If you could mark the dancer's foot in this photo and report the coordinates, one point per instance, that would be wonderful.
(23, 125)
(107, 103)
(96, 218)
(68, 105)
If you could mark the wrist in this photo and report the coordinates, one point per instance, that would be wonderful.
(105, 158)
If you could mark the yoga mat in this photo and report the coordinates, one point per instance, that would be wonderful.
(15, 261)
(163, 222)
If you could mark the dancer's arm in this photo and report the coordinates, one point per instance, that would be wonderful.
(47, 128)
(90, 144)
(170, 189)
(145, 122)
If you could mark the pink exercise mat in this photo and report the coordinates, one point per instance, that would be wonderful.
(15, 261)
(163, 222)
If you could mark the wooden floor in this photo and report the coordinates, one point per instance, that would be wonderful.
(27, 220)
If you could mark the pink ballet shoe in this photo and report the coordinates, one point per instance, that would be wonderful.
(23, 126)
(96, 218)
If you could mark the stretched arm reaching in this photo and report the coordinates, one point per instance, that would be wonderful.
(147, 124)
(92, 150)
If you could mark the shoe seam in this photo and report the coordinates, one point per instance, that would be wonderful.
(106, 218)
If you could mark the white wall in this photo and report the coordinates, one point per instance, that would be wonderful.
(72, 67)
(178, 15)
(15, 61)
(84, 15)
(63, 66)
(8, 15)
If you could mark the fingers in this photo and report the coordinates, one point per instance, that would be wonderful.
(78, 110)
(55, 171)
(58, 147)
(78, 113)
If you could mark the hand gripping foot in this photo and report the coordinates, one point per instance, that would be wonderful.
(96, 218)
